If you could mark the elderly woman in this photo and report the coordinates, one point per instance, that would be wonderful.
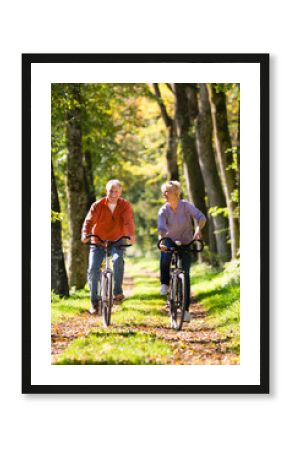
(175, 220)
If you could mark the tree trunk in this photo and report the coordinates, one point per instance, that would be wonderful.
(238, 156)
(89, 179)
(184, 116)
(212, 242)
(171, 152)
(209, 172)
(77, 200)
(59, 282)
(225, 160)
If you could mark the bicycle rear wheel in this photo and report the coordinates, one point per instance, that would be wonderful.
(178, 301)
(107, 298)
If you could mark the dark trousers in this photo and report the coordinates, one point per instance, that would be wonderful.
(165, 261)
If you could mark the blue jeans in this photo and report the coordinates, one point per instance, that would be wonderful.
(165, 261)
(96, 257)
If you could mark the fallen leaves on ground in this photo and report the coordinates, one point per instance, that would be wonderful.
(197, 343)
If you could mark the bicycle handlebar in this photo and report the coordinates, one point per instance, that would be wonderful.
(197, 243)
(104, 241)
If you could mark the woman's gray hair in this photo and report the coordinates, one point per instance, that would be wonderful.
(113, 183)
(174, 185)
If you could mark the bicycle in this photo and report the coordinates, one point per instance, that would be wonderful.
(106, 301)
(176, 296)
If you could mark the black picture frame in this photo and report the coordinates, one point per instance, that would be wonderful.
(263, 61)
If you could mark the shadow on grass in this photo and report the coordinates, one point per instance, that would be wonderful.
(197, 315)
(226, 323)
(63, 308)
(205, 276)
(111, 332)
(145, 297)
(217, 300)
(107, 362)
(79, 295)
(156, 311)
(220, 291)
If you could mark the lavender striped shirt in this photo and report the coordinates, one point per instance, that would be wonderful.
(178, 225)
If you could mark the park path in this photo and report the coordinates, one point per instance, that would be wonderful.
(197, 343)
(63, 333)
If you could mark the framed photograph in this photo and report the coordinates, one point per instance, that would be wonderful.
(169, 152)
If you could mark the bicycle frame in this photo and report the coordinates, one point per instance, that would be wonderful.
(107, 260)
(106, 288)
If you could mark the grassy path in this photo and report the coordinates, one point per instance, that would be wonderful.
(140, 332)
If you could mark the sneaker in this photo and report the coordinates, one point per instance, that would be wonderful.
(118, 298)
(93, 309)
(186, 317)
(166, 307)
(164, 289)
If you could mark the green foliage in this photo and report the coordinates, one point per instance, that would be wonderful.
(234, 165)
(215, 211)
(124, 135)
(222, 87)
(120, 132)
(56, 216)
(233, 106)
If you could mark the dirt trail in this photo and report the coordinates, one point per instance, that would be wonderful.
(63, 333)
(197, 343)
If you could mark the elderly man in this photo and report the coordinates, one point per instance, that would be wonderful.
(110, 218)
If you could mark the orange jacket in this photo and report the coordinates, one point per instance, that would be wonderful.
(107, 225)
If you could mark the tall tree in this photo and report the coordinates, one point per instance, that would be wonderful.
(77, 199)
(186, 110)
(225, 159)
(212, 182)
(171, 152)
(238, 155)
(89, 178)
(59, 281)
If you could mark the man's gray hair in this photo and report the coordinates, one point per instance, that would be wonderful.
(113, 183)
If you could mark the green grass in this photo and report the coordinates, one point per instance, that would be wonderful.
(64, 308)
(131, 339)
(142, 310)
(116, 346)
(219, 292)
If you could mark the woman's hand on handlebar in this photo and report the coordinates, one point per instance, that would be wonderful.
(162, 247)
(197, 235)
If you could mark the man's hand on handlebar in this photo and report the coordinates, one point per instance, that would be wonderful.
(85, 239)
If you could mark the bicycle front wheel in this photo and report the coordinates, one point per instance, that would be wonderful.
(178, 301)
(107, 298)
